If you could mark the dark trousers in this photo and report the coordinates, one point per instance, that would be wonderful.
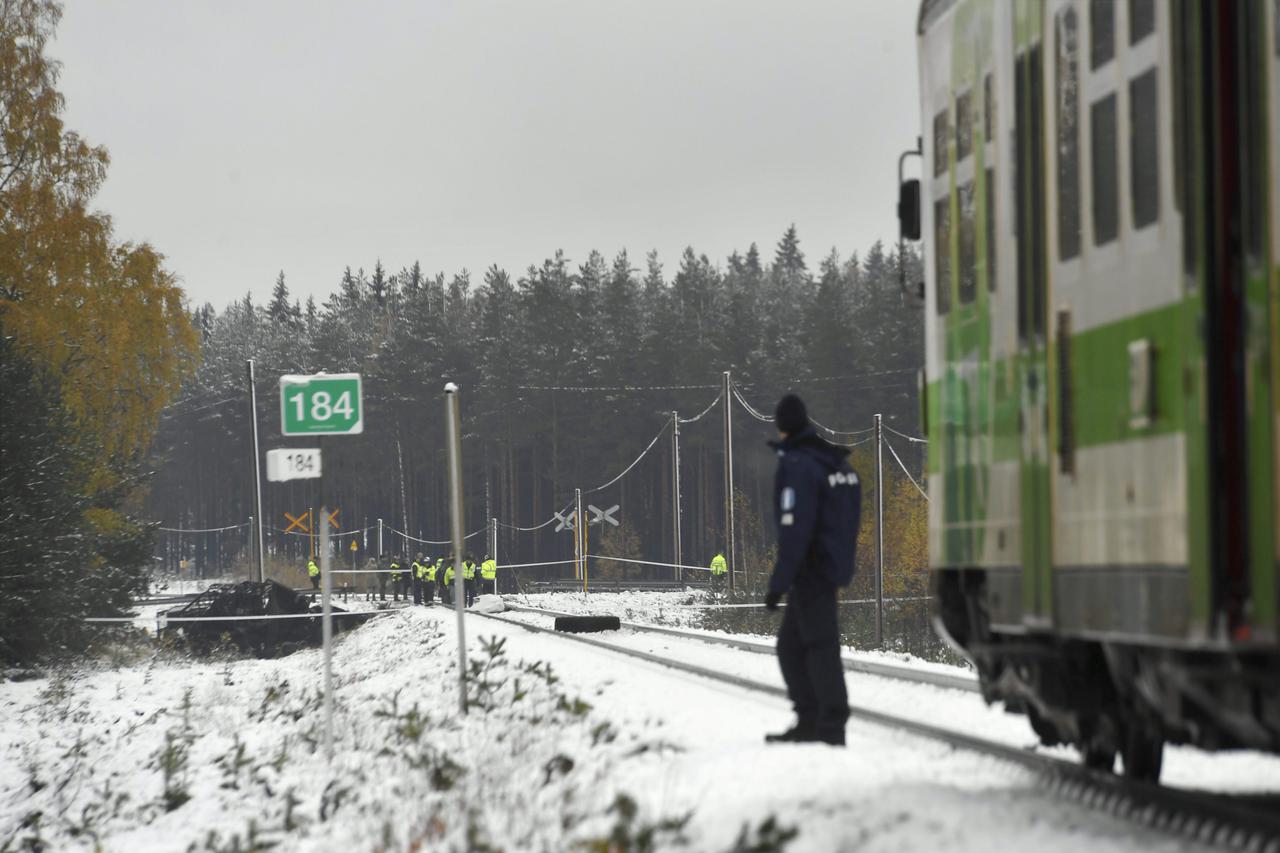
(417, 590)
(315, 581)
(470, 587)
(446, 593)
(382, 587)
(428, 592)
(809, 654)
(398, 587)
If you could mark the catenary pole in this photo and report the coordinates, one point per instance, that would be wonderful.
(730, 550)
(675, 495)
(579, 541)
(453, 429)
(879, 532)
(257, 471)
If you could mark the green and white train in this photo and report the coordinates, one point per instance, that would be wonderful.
(1100, 205)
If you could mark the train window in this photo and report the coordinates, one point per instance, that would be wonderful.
(968, 243)
(1142, 19)
(1104, 151)
(989, 104)
(990, 204)
(1144, 154)
(942, 252)
(1102, 32)
(940, 144)
(1066, 42)
(964, 126)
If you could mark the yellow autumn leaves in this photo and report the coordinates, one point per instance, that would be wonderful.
(104, 317)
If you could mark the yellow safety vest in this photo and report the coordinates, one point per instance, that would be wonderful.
(719, 565)
(395, 570)
(430, 570)
(312, 569)
(469, 570)
(419, 570)
(489, 569)
(448, 576)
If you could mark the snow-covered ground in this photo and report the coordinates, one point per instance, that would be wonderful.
(164, 753)
(966, 712)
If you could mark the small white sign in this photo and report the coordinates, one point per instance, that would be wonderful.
(293, 463)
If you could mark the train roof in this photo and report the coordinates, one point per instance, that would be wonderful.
(930, 11)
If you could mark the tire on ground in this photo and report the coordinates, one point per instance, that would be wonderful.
(587, 624)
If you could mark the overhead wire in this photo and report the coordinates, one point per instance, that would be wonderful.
(898, 459)
(636, 462)
(705, 411)
(912, 438)
(202, 529)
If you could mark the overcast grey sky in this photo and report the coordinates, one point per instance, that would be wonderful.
(249, 137)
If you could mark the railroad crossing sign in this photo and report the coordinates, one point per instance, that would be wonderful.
(565, 519)
(600, 515)
(303, 522)
(293, 463)
(324, 404)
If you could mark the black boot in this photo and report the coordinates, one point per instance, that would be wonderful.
(802, 732)
(831, 737)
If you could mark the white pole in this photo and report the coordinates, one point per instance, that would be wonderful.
(453, 429)
(379, 541)
(675, 490)
(879, 533)
(326, 622)
(731, 552)
(257, 471)
(579, 527)
(493, 551)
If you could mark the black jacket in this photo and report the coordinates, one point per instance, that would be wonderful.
(818, 505)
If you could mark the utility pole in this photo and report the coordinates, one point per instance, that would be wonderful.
(675, 494)
(879, 532)
(257, 470)
(730, 545)
(493, 550)
(580, 538)
(454, 437)
(379, 543)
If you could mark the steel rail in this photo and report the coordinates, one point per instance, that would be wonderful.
(1204, 816)
(884, 670)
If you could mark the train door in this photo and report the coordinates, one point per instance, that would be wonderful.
(1226, 179)
(1032, 296)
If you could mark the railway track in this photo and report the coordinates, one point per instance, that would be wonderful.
(885, 670)
(1247, 823)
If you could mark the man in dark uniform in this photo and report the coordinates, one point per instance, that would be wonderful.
(817, 502)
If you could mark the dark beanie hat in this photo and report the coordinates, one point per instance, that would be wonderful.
(791, 416)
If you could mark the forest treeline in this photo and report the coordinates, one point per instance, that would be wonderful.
(568, 372)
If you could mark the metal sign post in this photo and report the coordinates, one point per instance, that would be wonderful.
(257, 472)
(453, 430)
(326, 623)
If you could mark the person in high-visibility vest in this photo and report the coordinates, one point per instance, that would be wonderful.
(429, 570)
(469, 579)
(397, 583)
(489, 574)
(446, 589)
(719, 568)
(417, 570)
(313, 572)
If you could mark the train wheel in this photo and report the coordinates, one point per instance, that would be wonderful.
(1143, 752)
(1099, 758)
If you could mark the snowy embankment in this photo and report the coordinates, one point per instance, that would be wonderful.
(565, 746)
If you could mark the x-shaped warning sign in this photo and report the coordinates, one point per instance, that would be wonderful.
(302, 521)
(600, 515)
(565, 519)
(333, 519)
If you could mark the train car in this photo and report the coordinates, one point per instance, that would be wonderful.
(1098, 205)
